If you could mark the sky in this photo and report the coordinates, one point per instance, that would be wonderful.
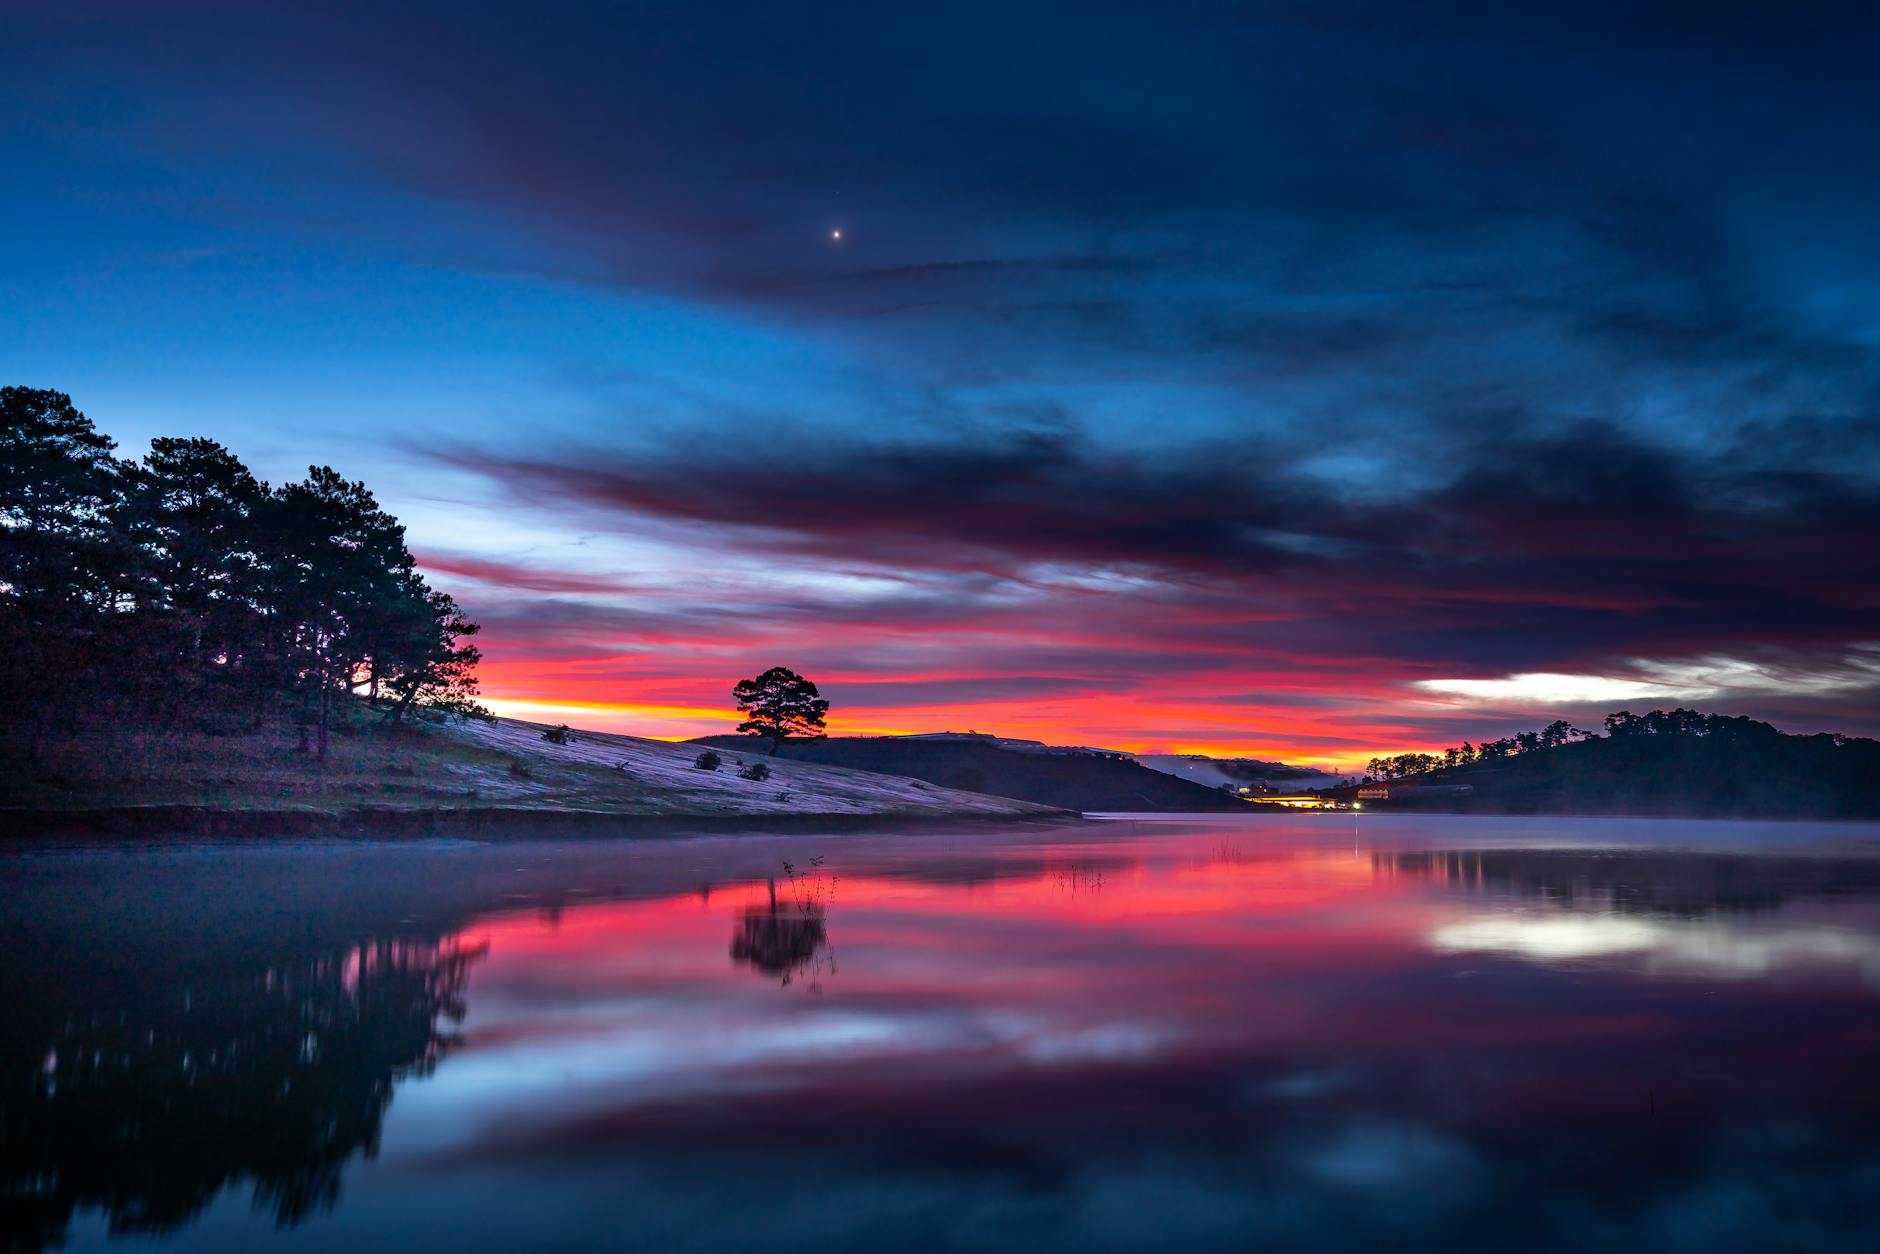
(1305, 381)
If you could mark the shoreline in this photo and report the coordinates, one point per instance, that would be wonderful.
(168, 820)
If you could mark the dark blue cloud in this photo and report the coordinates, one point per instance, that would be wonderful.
(1451, 335)
(1385, 214)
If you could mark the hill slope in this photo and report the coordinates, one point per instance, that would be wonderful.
(504, 765)
(658, 777)
(1088, 783)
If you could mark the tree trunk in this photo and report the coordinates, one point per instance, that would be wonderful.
(326, 702)
(395, 715)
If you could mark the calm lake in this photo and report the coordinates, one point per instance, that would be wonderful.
(1304, 1032)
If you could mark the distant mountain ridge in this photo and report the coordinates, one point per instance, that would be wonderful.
(1214, 772)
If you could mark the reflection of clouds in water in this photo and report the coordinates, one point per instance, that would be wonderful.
(1383, 1156)
(1708, 946)
(1367, 1183)
(1304, 1086)
(1545, 938)
(1222, 1062)
(674, 1050)
(1225, 1049)
(649, 1052)
(1106, 1042)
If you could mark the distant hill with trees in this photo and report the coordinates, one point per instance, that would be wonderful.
(1665, 762)
(1071, 781)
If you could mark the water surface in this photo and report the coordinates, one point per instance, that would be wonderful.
(1308, 1032)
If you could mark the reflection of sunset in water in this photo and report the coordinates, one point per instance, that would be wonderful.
(1302, 1036)
(1167, 952)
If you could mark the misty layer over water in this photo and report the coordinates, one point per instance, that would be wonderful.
(1306, 1031)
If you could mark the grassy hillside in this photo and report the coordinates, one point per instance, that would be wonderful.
(1073, 783)
(461, 766)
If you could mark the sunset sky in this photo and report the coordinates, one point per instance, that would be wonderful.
(1308, 381)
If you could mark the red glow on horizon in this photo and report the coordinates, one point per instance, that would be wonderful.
(1134, 671)
(681, 707)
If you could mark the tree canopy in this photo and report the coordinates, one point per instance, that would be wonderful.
(180, 587)
(1404, 765)
(780, 704)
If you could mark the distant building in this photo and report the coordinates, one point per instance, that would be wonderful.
(1383, 790)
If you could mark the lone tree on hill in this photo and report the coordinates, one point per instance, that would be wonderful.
(781, 704)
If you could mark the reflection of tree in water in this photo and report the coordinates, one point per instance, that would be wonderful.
(788, 937)
(147, 1102)
(1075, 881)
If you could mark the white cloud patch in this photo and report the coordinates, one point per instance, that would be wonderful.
(1548, 688)
(1697, 679)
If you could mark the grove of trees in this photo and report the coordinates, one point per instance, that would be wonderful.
(1691, 723)
(178, 590)
(1404, 765)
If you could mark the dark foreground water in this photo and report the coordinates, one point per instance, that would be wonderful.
(1297, 1032)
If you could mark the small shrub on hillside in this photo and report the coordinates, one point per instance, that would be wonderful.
(708, 761)
(519, 769)
(759, 771)
(559, 735)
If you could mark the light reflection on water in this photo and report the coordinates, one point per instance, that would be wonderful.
(1315, 1033)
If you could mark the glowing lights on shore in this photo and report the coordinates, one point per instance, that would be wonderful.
(1303, 801)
